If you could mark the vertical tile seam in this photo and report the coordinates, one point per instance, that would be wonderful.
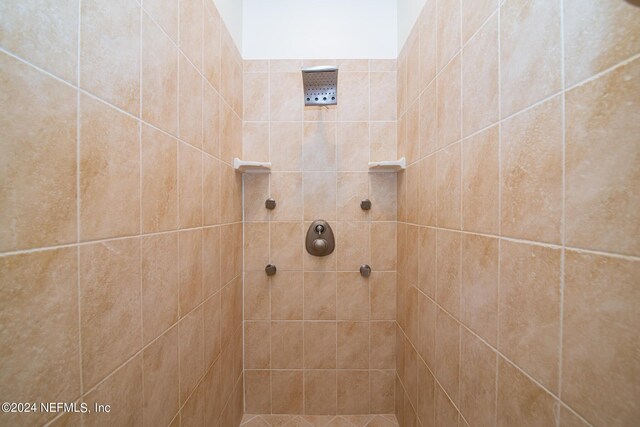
(78, 229)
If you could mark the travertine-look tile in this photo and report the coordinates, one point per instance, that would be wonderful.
(319, 296)
(255, 141)
(531, 173)
(383, 294)
(286, 146)
(258, 393)
(353, 345)
(382, 192)
(382, 353)
(320, 345)
(287, 295)
(521, 401)
(352, 188)
(598, 36)
(256, 296)
(353, 146)
(381, 391)
(211, 191)
(474, 15)
(190, 271)
(411, 133)
(256, 94)
(353, 392)
(212, 329)
(257, 342)
(109, 306)
(161, 381)
(189, 103)
(428, 22)
(38, 194)
(286, 189)
(210, 120)
(449, 246)
(529, 309)
(427, 265)
(448, 36)
(212, 67)
(352, 245)
(319, 146)
(530, 52)
(286, 245)
(191, 30)
(320, 392)
(166, 14)
(286, 345)
(230, 133)
(159, 76)
(110, 52)
(320, 195)
(600, 337)
(159, 284)
(159, 181)
(480, 182)
(382, 143)
(353, 96)
(449, 186)
(447, 369)
(428, 121)
(602, 121)
(446, 413)
(477, 381)
(286, 101)
(287, 392)
(189, 186)
(426, 344)
(256, 192)
(383, 96)
(192, 413)
(426, 396)
(353, 297)
(39, 288)
(191, 345)
(256, 249)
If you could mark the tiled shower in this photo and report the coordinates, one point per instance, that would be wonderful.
(504, 250)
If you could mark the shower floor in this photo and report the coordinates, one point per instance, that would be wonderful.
(319, 421)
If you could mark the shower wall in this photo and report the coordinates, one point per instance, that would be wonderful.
(120, 266)
(518, 218)
(319, 338)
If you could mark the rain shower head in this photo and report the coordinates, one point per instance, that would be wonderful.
(320, 85)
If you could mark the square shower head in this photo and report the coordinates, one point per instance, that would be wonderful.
(320, 85)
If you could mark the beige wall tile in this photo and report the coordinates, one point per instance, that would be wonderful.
(161, 380)
(286, 100)
(286, 245)
(192, 412)
(427, 311)
(382, 353)
(320, 343)
(383, 96)
(352, 245)
(449, 186)
(257, 300)
(383, 246)
(529, 309)
(412, 46)
(320, 392)
(211, 191)
(210, 120)
(190, 330)
(287, 296)
(319, 146)
(382, 192)
(531, 173)
(446, 413)
(109, 172)
(427, 261)
(212, 67)
(381, 391)
(428, 43)
(353, 392)
(257, 342)
(189, 103)
(255, 141)
(159, 181)
(448, 354)
(600, 312)
(286, 189)
(47, 281)
(159, 75)
(477, 380)
(413, 193)
(212, 329)
(256, 96)
(412, 129)
(110, 52)
(353, 97)
(530, 53)
(190, 271)
(352, 188)
(353, 345)
(189, 186)
(427, 199)
(166, 14)
(159, 284)
(382, 142)
(286, 146)
(256, 188)
(520, 400)
(287, 391)
(474, 15)
(353, 147)
(320, 192)
(230, 133)
(383, 295)
(286, 346)
(258, 392)
(38, 196)
(428, 121)
(319, 296)
(449, 247)
(602, 209)
(109, 306)
(256, 249)
(191, 30)
(426, 396)
(353, 297)
(448, 36)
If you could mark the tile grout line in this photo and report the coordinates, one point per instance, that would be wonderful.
(78, 198)
(140, 214)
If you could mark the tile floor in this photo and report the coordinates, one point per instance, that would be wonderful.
(319, 421)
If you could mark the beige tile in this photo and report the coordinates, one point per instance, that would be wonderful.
(479, 290)
(383, 295)
(402, 83)
(284, 65)
(426, 396)
(598, 36)
(286, 245)
(123, 390)
(319, 146)
(353, 97)
(353, 345)
(256, 192)
(383, 246)
(159, 76)
(190, 330)
(231, 311)
(383, 96)
(210, 120)
(159, 284)
(231, 257)
(530, 53)
(286, 345)
(109, 306)
(287, 295)
(382, 143)
(257, 301)
(161, 381)
(190, 271)
(110, 52)
(231, 193)
(192, 413)
(480, 181)
(166, 14)
(382, 345)
(189, 103)
(230, 71)
(401, 195)
(39, 180)
(257, 342)
(352, 64)
(256, 96)
(412, 47)
(353, 297)
(212, 329)
(600, 301)
(427, 261)
(410, 379)
(255, 141)
(412, 136)
(189, 186)
(427, 200)
(602, 210)
(286, 93)
(383, 195)
(382, 65)
(286, 146)
(446, 413)
(411, 419)
(352, 245)
(320, 343)
(382, 389)
(413, 193)
(480, 90)
(29, 31)
(211, 191)
(213, 393)
(256, 247)
(320, 195)
(258, 392)
(447, 367)
(477, 380)
(448, 36)
(159, 181)
(191, 30)
(411, 313)
(474, 15)
(319, 296)
(521, 401)
(256, 66)
(428, 43)
(448, 187)
(353, 392)
(449, 246)
(353, 147)
(320, 392)
(287, 391)
(109, 172)
(40, 288)
(212, 67)
(529, 309)
(427, 330)
(286, 189)
(428, 121)
(352, 189)
(230, 133)
(531, 173)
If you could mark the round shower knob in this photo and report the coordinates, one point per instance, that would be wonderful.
(320, 246)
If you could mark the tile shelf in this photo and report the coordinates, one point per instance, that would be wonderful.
(388, 165)
(248, 166)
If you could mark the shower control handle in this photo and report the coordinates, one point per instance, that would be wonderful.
(320, 240)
